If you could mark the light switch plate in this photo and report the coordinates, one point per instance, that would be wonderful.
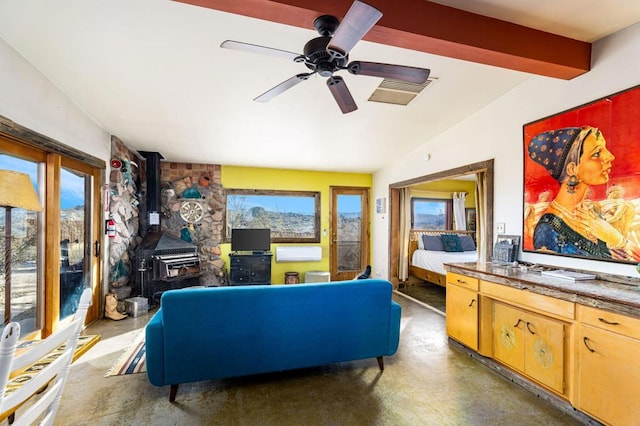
(500, 228)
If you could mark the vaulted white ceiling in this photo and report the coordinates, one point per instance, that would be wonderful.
(152, 73)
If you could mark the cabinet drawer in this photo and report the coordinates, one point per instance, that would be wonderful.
(462, 281)
(526, 299)
(618, 323)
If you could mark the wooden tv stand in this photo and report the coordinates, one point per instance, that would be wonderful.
(247, 268)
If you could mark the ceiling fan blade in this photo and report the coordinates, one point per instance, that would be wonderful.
(360, 18)
(341, 94)
(254, 48)
(282, 87)
(396, 72)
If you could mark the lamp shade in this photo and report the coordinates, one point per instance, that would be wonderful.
(17, 191)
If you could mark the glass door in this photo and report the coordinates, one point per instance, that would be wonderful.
(20, 277)
(54, 253)
(349, 232)
(73, 265)
(79, 232)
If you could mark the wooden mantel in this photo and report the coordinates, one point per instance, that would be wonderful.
(433, 28)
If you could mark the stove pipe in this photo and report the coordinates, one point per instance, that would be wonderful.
(153, 188)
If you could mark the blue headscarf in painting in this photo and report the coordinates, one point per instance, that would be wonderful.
(553, 149)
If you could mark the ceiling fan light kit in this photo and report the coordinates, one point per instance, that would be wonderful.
(329, 53)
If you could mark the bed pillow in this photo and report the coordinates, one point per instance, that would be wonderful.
(432, 242)
(420, 242)
(466, 242)
(451, 242)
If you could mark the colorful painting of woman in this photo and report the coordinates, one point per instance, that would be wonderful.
(578, 159)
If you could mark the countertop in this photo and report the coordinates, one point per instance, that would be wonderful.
(614, 295)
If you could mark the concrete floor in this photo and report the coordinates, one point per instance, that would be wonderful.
(427, 382)
(431, 294)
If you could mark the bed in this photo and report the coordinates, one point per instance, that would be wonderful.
(427, 264)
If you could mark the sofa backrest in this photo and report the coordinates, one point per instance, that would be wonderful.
(317, 323)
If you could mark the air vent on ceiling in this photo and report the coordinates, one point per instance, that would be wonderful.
(398, 92)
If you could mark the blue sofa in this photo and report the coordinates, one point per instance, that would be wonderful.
(220, 332)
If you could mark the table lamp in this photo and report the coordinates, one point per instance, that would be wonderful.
(16, 191)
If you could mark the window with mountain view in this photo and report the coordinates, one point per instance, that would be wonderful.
(431, 213)
(292, 216)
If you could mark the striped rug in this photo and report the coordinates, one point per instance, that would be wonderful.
(133, 360)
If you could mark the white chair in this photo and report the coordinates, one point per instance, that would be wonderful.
(51, 377)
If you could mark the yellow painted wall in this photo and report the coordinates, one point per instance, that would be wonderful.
(443, 189)
(233, 177)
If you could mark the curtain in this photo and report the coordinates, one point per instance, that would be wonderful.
(458, 210)
(481, 215)
(405, 228)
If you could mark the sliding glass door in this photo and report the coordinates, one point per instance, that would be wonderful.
(20, 277)
(75, 238)
(55, 253)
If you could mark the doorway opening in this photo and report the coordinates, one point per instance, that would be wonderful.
(399, 231)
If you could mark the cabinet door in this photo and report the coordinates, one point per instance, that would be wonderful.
(544, 351)
(608, 375)
(508, 336)
(462, 315)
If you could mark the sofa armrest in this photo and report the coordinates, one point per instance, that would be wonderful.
(394, 327)
(154, 349)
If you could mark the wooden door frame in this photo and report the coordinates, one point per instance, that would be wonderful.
(394, 210)
(17, 138)
(365, 192)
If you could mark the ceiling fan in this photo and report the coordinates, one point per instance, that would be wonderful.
(329, 53)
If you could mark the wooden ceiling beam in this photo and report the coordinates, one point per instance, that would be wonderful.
(433, 28)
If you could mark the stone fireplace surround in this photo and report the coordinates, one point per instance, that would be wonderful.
(197, 184)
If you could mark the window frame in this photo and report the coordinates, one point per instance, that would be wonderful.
(448, 203)
(313, 195)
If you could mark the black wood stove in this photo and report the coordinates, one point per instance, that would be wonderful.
(163, 262)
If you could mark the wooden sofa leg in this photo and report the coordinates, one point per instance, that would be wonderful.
(380, 363)
(173, 393)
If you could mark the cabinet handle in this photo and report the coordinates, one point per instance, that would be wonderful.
(586, 343)
(518, 323)
(472, 302)
(461, 282)
(608, 322)
(529, 328)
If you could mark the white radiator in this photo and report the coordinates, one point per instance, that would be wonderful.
(298, 253)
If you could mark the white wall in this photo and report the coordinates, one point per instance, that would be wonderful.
(496, 132)
(28, 98)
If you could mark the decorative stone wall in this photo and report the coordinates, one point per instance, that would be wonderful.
(124, 205)
(202, 224)
(193, 204)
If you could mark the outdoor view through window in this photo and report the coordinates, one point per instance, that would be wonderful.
(24, 253)
(428, 213)
(290, 217)
(25, 239)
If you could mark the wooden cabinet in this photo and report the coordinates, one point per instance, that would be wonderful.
(584, 356)
(608, 376)
(531, 344)
(250, 269)
(462, 309)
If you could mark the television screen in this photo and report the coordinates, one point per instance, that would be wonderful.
(250, 239)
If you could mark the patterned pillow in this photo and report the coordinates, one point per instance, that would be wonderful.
(466, 242)
(451, 242)
(432, 242)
